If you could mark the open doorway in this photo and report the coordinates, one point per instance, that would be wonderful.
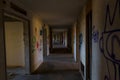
(45, 42)
(17, 43)
(89, 45)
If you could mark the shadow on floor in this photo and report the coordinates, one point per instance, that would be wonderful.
(47, 67)
(53, 63)
(64, 75)
(54, 67)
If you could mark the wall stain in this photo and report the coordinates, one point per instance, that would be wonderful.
(107, 44)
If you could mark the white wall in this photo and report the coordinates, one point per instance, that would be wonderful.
(48, 39)
(14, 44)
(74, 41)
(105, 39)
(82, 48)
(106, 51)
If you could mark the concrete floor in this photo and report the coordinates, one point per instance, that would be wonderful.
(14, 71)
(54, 67)
(55, 62)
(64, 75)
(60, 57)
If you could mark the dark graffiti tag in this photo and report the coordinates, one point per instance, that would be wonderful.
(95, 35)
(80, 40)
(107, 44)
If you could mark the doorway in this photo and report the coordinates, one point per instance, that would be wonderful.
(89, 45)
(45, 42)
(17, 45)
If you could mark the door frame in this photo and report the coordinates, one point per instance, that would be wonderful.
(3, 75)
(44, 41)
(89, 41)
(25, 28)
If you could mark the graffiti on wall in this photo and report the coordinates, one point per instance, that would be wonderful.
(35, 42)
(110, 43)
(80, 40)
(95, 35)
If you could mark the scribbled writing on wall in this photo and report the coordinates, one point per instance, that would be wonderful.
(33, 43)
(95, 35)
(110, 43)
(80, 40)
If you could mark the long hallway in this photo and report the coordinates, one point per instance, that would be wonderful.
(59, 39)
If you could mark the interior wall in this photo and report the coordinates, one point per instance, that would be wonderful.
(78, 43)
(35, 32)
(15, 56)
(37, 42)
(82, 38)
(106, 44)
(48, 38)
(74, 41)
(98, 23)
(66, 38)
(35, 54)
(105, 39)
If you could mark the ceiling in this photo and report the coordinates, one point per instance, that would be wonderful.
(55, 12)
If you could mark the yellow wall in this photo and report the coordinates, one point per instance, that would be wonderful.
(37, 42)
(36, 39)
(14, 44)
